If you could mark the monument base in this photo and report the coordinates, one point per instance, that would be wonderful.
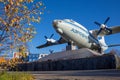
(107, 61)
(71, 54)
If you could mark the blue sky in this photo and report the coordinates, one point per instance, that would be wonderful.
(84, 12)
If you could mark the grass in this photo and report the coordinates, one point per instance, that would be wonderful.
(118, 67)
(15, 76)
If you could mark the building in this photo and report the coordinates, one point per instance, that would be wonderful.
(30, 57)
(35, 57)
(42, 55)
(18, 54)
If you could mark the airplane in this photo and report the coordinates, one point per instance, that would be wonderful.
(74, 33)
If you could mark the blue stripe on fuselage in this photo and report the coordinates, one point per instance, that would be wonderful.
(78, 32)
(81, 34)
(77, 26)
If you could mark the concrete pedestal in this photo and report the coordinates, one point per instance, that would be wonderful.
(108, 61)
(71, 54)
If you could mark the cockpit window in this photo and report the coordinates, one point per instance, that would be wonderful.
(69, 20)
(72, 21)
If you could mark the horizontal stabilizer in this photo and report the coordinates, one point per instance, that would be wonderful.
(113, 45)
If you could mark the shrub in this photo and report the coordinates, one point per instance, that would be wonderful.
(15, 76)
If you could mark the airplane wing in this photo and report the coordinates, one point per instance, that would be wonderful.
(115, 29)
(47, 44)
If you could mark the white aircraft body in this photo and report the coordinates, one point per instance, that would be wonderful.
(76, 34)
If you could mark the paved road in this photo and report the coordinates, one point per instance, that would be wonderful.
(78, 75)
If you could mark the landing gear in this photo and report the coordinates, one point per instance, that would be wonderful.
(100, 50)
(70, 46)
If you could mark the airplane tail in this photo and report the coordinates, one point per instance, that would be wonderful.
(102, 43)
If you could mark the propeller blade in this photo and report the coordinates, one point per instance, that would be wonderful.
(99, 31)
(106, 20)
(97, 23)
(46, 37)
(51, 36)
(110, 31)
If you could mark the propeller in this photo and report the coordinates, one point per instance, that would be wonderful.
(103, 26)
(46, 37)
(49, 37)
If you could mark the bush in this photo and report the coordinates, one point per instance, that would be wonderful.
(15, 76)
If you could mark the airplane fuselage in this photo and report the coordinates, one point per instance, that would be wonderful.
(75, 33)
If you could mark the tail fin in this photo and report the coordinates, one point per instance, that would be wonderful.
(102, 43)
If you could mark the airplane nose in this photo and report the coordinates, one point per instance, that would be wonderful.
(55, 22)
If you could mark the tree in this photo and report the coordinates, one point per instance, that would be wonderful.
(16, 19)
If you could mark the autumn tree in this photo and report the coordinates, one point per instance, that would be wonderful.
(16, 22)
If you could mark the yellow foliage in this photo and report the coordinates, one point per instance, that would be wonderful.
(16, 10)
(1, 44)
(7, 29)
(11, 46)
(1, 0)
(20, 0)
(25, 7)
(17, 3)
(8, 14)
(7, 7)
(30, 1)
(2, 60)
(10, 1)
(13, 20)
(1, 20)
